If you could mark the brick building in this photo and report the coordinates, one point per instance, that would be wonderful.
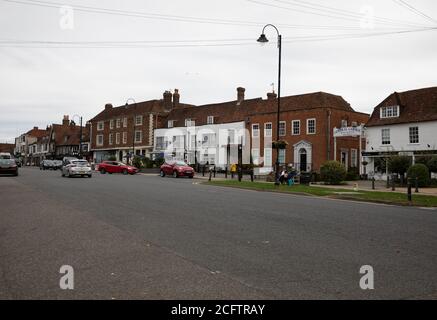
(7, 147)
(307, 123)
(25, 140)
(120, 131)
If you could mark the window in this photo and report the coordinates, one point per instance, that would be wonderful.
(354, 124)
(125, 122)
(170, 123)
(414, 134)
(255, 156)
(268, 129)
(124, 137)
(117, 138)
(188, 122)
(343, 123)
(118, 123)
(231, 136)
(267, 157)
(210, 120)
(389, 112)
(311, 126)
(295, 127)
(100, 125)
(354, 158)
(110, 138)
(282, 129)
(208, 139)
(138, 120)
(111, 124)
(159, 143)
(255, 130)
(138, 136)
(385, 136)
(99, 139)
(281, 156)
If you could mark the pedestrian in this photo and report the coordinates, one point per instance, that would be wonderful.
(233, 170)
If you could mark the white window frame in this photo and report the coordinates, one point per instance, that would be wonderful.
(117, 138)
(97, 140)
(100, 125)
(282, 156)
(170, 123)
(354, 158)
(293, 127)
(268, 130)
(255, 130)
(308, 126)
(344, 123)
(415, 135)
(255, 156)
(385, 138)
(124, 137)
(210, 120)
(283, 131)
(268, 161)
(110, 139)
(388, 112)
(139, 123)
(141, 136)
(111, 124)
(118, 123)
(188, 122)
(125, 122)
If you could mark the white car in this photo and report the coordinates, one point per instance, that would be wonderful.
(79, 168)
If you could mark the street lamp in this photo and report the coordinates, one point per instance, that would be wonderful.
(263, 39)
(133, 126)
(80, 134)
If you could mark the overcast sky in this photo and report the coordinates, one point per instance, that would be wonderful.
(62, 71)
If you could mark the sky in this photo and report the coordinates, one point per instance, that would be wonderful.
(72, 57)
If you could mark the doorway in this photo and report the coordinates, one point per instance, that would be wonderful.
(303, 160)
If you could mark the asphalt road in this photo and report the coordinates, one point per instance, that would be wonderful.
(146, 237)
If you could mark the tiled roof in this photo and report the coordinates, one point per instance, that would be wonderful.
(71, 132)
(415, 106)
(234, 111)
(35, 132)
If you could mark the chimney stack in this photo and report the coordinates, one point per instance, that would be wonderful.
(176, 97)
(240, 94)
(66, 120)
(167, 100)
(35, 128)
(271, 95)
(108, 106)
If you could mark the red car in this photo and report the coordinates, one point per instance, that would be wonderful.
(116, 167)
(177, 169)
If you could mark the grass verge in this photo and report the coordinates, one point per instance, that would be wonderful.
(347, 194)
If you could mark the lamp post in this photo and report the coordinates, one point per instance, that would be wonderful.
(263, 39)
(80, 136)
(133, 126)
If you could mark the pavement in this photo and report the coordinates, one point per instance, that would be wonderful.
(146, 237)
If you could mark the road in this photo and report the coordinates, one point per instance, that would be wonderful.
(146, 237)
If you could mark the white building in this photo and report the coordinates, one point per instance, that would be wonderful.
(403, 124)
(215, 144)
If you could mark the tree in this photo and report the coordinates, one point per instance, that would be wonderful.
(421, 172)
(333, 172)
(399, 164)
(432, 164)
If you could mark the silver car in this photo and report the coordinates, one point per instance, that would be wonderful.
(79, 168)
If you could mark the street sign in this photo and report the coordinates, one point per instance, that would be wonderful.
(348, 132)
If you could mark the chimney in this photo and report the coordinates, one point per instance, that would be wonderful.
(271, 95)
(240, 94)
(108, 106)
(65, 121)
(35, 128)
(176, 97)
(167, 100)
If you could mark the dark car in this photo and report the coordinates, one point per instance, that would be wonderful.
(177, 169)
(8, 164)
(46, 165)
(116, 167)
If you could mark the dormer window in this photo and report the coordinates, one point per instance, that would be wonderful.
(210, 120)
(389, 112)
(170, 123)
(189, 122)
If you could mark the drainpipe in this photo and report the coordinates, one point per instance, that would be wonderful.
(328, 135)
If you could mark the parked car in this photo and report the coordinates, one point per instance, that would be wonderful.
(46, 165)
(57, 165)
(67, 160)
(177, 169)
(116, 167)
(8, 164)
(77, 168)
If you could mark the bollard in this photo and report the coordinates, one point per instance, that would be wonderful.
(214, 171)
(388, 181)
(210, 174)
(203, 171)
(409, 191)
(226, 172)
(393, 187)
(251, 175)
(373, 183)
(416, 183)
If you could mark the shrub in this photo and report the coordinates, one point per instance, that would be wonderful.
(421, 172)
(112, 158)
(137, 162)
(399, 164)
(159, 162)
(432, 164)
(148, 163)
(333, 172)
(353, 174)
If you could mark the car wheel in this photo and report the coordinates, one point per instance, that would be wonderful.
(89, 176)
(191, 177)
(124, 171)
(161, 173)
(63, 174)
(102, 171)
(175, 174)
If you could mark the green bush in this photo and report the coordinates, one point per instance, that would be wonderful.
(432, 164)
(421, 172)
(112, 158)
(353, 174)
(148, 163)
(399, 164)
(159, 162)
(137, 162)
(333, 172)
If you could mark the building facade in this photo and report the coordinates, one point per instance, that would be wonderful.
(24, 144)
(405, 123)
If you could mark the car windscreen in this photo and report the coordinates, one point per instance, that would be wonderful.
(5, 156)
(80, 163)
(180, 163)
